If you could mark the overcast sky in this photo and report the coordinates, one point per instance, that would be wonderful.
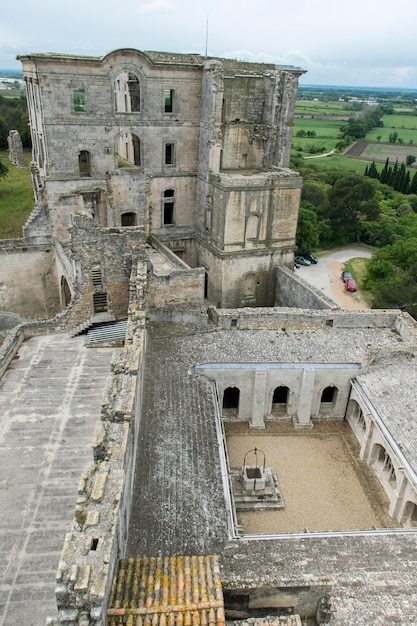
(358, 43)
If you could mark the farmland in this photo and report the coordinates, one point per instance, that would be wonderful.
(318, 122)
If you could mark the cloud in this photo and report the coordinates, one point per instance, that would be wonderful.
(291, 57)
(155, 6)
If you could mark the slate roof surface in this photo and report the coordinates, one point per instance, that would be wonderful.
(392, 387)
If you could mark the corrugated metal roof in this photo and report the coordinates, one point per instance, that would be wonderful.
(162, 591)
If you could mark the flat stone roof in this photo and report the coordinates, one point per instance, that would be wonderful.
(178, 504)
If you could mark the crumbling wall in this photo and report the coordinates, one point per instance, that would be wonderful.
(28, 279)
(15, 148)
(99, 530)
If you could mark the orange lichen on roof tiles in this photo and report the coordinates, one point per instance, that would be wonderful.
(175, 591)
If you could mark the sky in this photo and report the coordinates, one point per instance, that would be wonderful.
(365, 43)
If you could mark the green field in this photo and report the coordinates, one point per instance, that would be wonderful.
(16, 198)
(309, 107)
(340, 162)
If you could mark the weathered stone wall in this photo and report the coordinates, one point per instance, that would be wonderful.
(293, 291)
(282, 318)
(178, 289)
(28, 279)
(102, 259)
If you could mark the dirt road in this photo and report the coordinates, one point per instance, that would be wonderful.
(325, 275)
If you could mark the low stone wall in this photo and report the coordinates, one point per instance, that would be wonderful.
(293, 291)
(279, 318)
(99, 531)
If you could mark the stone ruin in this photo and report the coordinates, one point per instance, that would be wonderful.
(14, 142)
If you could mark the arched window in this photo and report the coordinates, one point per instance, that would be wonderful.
(250, 284)
(168, 207)
(128, 150)
(409, 517)
(280, 400)
(231, 397)
(65, 292)
(280, 395)
(329, 395)
(128, 219)
(127, 93)
(84, 163)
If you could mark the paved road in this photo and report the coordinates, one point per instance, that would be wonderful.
(50, 401)
(325, 275)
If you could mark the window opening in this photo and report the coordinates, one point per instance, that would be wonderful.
(128, 219)
(84, 163)
(250, 284)
(329, 394)
(280, 395)
(100, 302)
(168, 100)
(127, 93)
(169, 154)
(65, 292)
(134, 92)
(78, 95)
(231, 398)
(96, 276)
(168, 217)
(128, 150)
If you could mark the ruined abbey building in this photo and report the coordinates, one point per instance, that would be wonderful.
(164, 229)
(189, 150)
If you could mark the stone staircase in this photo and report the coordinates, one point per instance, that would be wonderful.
(107, 333)
(95, 320)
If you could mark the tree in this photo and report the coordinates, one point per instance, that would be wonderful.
(350, 200)
(307, 230)
(410, 159)
(4, 170)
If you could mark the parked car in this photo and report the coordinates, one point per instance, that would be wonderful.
(310, 257)
(346, 275)
(350, 284)
(300, 260)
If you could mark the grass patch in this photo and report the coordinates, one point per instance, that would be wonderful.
(357, 267)
(16, 198)
(338, 162)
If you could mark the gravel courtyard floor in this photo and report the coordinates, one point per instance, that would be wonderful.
(324, 484)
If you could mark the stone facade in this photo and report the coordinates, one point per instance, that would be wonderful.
(193, 151)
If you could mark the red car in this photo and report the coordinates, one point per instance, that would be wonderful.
(350, 284)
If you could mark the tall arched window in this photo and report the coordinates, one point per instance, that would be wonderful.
(126, 92)
(231, 397)
(128, 150)
(280, 400)
(329, 395)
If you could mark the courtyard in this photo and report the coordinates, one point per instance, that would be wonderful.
(324, 485)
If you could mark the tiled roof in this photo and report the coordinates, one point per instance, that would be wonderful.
(171, 591)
